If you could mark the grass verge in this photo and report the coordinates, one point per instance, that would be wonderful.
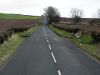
(28, 32)
(9, 46)
(84, 42)
(61, 33)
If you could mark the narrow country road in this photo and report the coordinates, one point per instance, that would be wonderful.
(45, 53)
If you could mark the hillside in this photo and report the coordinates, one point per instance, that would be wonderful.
(16, 16)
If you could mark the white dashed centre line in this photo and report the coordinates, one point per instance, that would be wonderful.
(49, 46)
(48, 41)
(53, 57)
(45, 33)
(59, 72)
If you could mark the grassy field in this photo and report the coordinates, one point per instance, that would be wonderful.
(84, 42)
(16, 16)
(9, 46)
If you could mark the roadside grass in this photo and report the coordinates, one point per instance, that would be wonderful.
(61, 33)
(84, 42)
(28, 32)
(9, 46)
(86, 39)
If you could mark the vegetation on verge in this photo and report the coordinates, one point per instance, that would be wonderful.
(28, 32)
(84, 42)
(61, 33)
(9, 46)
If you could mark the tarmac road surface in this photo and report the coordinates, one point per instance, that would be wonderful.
(45, 53)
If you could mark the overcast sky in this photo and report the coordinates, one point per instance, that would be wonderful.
(35, 7)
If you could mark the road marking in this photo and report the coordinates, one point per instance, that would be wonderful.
(59, 72)
(49, 46)
(46, 37)
(45, 33)
(53, 57)
(48, 41)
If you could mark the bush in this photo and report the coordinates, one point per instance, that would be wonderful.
(10, 32)
(20, 29)
(96, 37)
(86, 39)
(2, 38)
(69, 29)
(95, 22)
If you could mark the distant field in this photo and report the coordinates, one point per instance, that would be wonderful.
(16, 16)
(11, 23)
(6, 24)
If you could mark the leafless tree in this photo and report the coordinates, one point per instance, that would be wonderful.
(98, 13)
(52, 14)
(76, 14)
